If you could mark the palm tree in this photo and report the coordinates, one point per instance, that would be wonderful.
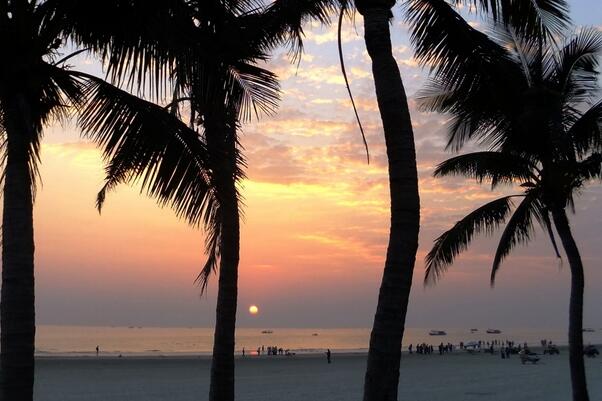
(207, 55)
(384, 355)
(382, 372)
(542, 129)
(37, 87)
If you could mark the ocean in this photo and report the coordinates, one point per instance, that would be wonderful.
(149, 341)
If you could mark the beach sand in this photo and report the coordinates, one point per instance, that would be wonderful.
(455, 377)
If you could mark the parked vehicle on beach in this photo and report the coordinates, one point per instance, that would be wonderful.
(551, 350)
(526, 356)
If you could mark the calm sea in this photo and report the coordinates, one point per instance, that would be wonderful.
(82, 340)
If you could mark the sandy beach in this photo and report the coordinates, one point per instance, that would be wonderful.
(455, 377)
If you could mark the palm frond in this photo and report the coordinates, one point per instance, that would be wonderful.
(125, 34)
(534, 18)
(255, 90)
(576, 67)
(283, 20)
(590, 168)
(212, 221)
(476, 114)
(447, 43)
(485, 219)
(499, 167)
(143, 142)
(519, 230)
(538, 19)
(586, 131)
(542, 214)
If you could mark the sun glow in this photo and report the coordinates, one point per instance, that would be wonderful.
(253, 310)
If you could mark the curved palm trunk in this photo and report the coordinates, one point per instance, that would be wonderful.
(222, 364)
(17, 317)
(576, 361)
(384, 356)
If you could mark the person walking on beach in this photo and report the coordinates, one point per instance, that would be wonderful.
(243, 352)
(328, 355)
(97, 350)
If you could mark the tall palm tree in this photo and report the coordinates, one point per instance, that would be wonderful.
(533, 106)
(207, 55)
(384, 355)
(37, 87)
(382, 372)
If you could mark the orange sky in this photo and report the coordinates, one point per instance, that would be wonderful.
(315, 226)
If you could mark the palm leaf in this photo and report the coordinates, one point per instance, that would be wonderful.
(282, 22)
(126, 36)
(447, 43)
(586, 131)
(534, 17)
(576, 67)
(538, 19)
(485, 219)
(144, 142)
(519, 230)
(500, 168)
(590, 168)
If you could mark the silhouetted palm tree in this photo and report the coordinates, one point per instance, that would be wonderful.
(207, 55)
(36, 88)
(533, 106)
(384, 355)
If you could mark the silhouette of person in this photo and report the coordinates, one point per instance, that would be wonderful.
(97, 350)
(328, 355)
(243, 351)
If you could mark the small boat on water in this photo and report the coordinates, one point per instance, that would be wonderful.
(588, 330)
(314, 334)
(267, 331)
(474, 330)
(437, 333)
(493, 331)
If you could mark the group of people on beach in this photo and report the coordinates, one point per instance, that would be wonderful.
(427, 349)
(505, 348)
(274, 350)
(269, 350)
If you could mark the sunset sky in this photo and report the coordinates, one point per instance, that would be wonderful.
(315, 221)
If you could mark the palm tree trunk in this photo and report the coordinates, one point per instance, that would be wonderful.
(384, 356)
(17, 316)
(222, 365)
(576, 361)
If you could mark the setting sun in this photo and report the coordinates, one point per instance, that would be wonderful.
(253, 309)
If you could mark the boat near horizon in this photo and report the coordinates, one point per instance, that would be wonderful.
(267, 331)
(588, 330)
(437, 333)
(494, 331)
